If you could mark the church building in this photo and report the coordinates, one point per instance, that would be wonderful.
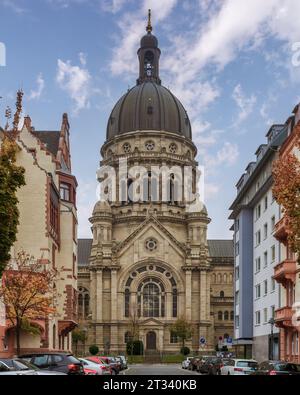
(149, 261)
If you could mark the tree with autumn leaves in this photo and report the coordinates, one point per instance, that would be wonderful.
(286, 191)
(27, 293)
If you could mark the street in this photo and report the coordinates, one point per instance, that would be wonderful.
(157, 370)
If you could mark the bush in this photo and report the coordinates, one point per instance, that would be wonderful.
(185, 351)
(94, 350)
(135, 347)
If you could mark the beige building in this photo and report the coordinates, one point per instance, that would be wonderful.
(149, 257)
(47, 230)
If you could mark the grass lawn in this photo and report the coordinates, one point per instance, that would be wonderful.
(177, 358)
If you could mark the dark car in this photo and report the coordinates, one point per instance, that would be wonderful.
(278, 368)
(57, 362)
(211, 366)
(24, 367)
(194, 363)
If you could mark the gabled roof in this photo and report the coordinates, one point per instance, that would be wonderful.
(50, 139)
(220, 248)
(84, 251)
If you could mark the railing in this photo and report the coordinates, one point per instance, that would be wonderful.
(283, 316)
(280, 232)
(285, 270)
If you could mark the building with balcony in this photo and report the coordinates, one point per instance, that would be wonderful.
(257, 252)
(286, 273)
(47, 231)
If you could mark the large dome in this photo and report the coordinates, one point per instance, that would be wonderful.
(148, 106)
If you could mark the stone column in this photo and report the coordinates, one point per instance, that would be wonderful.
(203, 296)
(188, 294)
(114, 296)
(169, 305)
(99, 301)
(93, 295)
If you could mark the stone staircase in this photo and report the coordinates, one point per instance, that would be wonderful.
(152, 356)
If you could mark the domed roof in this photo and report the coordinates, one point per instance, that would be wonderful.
(149, 41)
(149, 106)
(101, 206)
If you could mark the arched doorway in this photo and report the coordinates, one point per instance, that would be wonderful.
(151, 341)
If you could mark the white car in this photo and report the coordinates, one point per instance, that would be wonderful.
(239, 367)
(186, 362)
(101, 369)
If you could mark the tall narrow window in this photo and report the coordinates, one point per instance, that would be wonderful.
(175, 303)
(127, 302)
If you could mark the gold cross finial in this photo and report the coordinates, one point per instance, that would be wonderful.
(149, 26)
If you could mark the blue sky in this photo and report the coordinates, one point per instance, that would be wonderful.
(232, 63)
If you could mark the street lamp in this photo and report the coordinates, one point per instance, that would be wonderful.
(272, 323)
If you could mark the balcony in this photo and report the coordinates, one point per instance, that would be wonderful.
(280, 231)
(285, 271)
(283, 317)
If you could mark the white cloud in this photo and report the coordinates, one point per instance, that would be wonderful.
(244, 103)
(37, 93)
(75, 80)
(113, 6)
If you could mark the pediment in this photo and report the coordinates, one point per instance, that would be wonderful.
(150, 223)
(151, 321)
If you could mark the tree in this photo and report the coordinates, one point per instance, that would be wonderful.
(182, 329)
(27, 293)
(94, 350)
(11, 179)
(286, 173)
(78, 335)
(134, 327)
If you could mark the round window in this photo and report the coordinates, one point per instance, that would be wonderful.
(150, 145)
(127, 148)
(151, 244)
(173, 148)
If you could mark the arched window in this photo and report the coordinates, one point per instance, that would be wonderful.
(213, 278)
(226, 316)
(219, 278)
(225, 278)
(220, 316)
(83, 303)
(151, 298)
(127, 302)
(222, 295)
(230, 278)
(232, 315)
(127, 337)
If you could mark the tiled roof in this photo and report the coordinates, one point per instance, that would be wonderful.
(50, 139)
(220, 248)
(217, 249)
(84, 251)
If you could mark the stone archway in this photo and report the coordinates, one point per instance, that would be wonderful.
(151, 341)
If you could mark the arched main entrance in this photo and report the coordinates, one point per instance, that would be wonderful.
(151, 341)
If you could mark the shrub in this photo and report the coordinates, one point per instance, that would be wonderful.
(93, 350)
(135, 347)
(185, 351)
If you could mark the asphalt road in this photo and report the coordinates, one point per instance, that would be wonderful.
(157, 370)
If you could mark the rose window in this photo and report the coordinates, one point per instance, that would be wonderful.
(127, 148)
(150, 145)
(151, 244)
(173, 148)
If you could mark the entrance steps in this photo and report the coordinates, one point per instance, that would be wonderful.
(152, 356)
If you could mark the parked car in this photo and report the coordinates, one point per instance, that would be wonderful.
(115, 368)
(118, 362)
(185, 364)
(123, 361)
(56, 362)
(202, 360)
(94, 368)
(23, 367)
(277, 368)
(194, 363)
(211, 366)
(239, 367)
(7, 370)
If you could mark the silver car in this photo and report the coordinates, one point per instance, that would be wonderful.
(101, 369)
(20, 367)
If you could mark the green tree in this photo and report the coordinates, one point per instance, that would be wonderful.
(11, 179)
(78, 335)
(182, 329)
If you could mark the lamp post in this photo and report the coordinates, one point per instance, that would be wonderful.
(272, 323)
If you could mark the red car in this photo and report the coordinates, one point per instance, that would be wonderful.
(114, 366)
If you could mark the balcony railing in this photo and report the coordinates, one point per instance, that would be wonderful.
(280, 230)
(285, 271)
(283, 316)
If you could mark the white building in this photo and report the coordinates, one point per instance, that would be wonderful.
(255, 214)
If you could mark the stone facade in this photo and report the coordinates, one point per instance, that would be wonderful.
(47, 230)
(149, 261)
